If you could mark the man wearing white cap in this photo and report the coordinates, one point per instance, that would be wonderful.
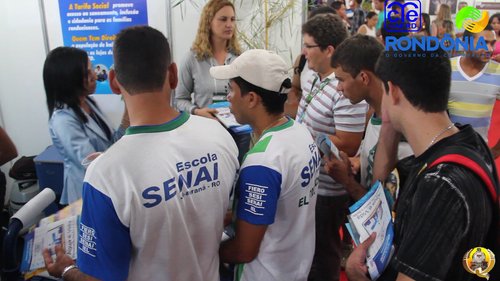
(276, 189)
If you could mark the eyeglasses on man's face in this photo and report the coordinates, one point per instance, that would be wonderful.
(307, 46)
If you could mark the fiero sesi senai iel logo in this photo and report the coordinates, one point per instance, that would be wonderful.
(471, 19)
(402, 17)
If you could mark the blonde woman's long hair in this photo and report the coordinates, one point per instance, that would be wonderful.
(201, 45)
(444, 12)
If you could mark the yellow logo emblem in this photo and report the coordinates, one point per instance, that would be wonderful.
(472, 19)
(479, 261)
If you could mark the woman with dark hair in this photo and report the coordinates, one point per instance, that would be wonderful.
(369, 28)
(495, 25)
(425, 22)
(77, 126)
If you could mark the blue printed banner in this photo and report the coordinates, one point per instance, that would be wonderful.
(92, 25)
(403, 17)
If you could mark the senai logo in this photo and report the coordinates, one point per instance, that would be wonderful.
(472, 19)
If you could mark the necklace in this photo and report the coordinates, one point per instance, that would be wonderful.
(273, 124)
(439, 134)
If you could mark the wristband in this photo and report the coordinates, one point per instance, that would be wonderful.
(68, 268)
(192, 110)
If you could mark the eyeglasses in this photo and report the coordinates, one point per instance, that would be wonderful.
(310, 46)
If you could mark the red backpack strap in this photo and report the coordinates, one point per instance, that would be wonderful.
(471, 165)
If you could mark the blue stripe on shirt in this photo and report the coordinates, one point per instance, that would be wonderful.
(259, 189)
(485, 78)
(473, 121)
(104, 245)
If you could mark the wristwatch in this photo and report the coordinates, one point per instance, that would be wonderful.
(193, 109)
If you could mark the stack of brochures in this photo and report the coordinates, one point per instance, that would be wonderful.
(227, 119)
(58, 229)
(372, 214)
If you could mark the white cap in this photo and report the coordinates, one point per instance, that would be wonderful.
(261, 68)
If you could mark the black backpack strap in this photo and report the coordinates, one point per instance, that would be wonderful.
(469, 159)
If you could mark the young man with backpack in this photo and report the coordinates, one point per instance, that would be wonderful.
(448, 205)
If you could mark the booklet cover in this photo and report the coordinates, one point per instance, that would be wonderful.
(58, 229)
(372, 214)
(227, 118)
(326, 146)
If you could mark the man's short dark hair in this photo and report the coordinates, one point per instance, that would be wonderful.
(337, 5)
(357, 53)
(141, 56)
(423, 76)
(273, 102)
(387, 30)
(326, 29)
(370, 15)
(322, 10)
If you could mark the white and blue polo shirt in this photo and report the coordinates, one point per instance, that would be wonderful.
(277, 187)
(154, 203)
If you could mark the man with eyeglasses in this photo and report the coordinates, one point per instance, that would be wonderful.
(323, 109)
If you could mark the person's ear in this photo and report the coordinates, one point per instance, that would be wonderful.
(113, 82)
(365, 78)
(330, 49)
(172, 76)
(253, 99)
(394, 93)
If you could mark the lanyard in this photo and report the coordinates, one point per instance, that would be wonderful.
(312, 93)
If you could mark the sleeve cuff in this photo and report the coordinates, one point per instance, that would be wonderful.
(192, 109)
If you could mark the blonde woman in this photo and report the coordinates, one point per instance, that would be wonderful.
(215, 44)
(446, 28)
(444, 13)
(447, 32)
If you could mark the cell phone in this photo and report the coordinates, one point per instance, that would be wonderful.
(228, 233)
(326, 146)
